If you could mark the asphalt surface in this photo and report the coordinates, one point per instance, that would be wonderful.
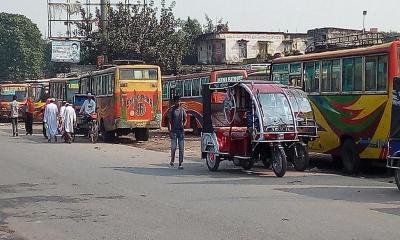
(105, 191)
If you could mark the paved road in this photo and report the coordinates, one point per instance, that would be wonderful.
(86, 191)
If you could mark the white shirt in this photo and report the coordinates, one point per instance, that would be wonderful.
(88, 107)
(14, 109)
(69, 117)
(62, 109)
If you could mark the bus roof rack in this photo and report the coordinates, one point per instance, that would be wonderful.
(128, 62)
(346, 42)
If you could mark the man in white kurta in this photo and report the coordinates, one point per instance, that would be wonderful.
(50, 119)
(69, 122)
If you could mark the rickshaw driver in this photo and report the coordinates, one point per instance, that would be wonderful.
(88, 106)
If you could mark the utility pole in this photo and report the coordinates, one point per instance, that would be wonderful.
(364, 15)
(104, 4)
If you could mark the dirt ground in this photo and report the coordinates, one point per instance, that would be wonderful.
(160, 141)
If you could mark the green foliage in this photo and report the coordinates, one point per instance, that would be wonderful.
(21, 48)
(147, 33)
(191, 29)
(220, 25)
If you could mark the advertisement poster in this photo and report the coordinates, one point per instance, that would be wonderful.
(66, 51)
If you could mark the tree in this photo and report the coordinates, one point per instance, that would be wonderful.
(21, 48)
(220, 25)
(191, 30)
(139, 33)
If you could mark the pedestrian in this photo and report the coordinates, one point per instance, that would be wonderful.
(177, 119)
(61, 119)
(50, 120)
(30, 109)
(14, 115)
(69, 121)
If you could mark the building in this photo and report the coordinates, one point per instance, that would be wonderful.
(236, 47)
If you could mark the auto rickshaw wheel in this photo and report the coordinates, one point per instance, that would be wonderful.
(279, 161)
(247, 164)
(397, 175)
(212, 160)
(300, 157)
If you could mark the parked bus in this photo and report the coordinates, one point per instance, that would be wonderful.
(352, 94)
(128, 99)
(7, 91)
(188, 87)
(64, 89)
(39, 92)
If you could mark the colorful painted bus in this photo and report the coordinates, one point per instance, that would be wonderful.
(7, 91)
(188, 87)
(352, 96)
(128, 99)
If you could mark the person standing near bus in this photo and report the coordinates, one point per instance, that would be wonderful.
(69, 122)
(50, 120)
(177, 119)
(30, 109)
(14, 115)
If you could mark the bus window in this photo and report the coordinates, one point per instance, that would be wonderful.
(326, 76)
(165, 90)
(203, 81)
(196, 87)
(281, 73)
(352, 74)
(179, 88)
(311, 76)
(138, 74)
(335, 79)
(187, 88)
(382, 72)
(370, 73)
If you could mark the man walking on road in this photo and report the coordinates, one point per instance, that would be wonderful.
(50, 120)
(177, 119)
(69, 120)
(30, 109)
(14, 116)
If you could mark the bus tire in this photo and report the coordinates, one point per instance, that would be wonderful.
(397, 175)
(247, 164)
(350, 159)
(106, 136)
(142, 134)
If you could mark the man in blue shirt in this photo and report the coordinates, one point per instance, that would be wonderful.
(176, 128)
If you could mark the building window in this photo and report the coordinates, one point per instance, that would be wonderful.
(242, 49)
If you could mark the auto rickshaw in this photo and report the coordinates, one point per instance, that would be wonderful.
(86, 125)
(245, 122)
(307, 128)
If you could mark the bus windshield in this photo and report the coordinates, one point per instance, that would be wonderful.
(276, 110)
(138, 74)
(7, 93)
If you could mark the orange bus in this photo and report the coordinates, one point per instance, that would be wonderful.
(128, 99)
(188, 87)
(7, 91)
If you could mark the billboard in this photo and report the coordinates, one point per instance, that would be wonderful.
(66, 51)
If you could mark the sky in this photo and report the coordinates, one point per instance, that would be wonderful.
(258, 15)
